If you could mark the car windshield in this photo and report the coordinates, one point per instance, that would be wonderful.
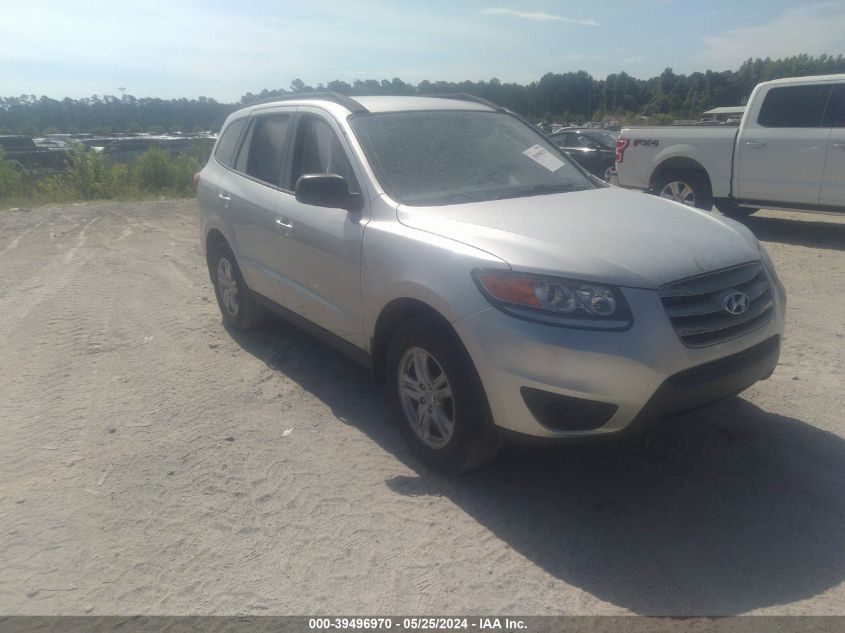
(438, 157)
(606, 139)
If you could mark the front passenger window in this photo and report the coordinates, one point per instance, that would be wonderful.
(318, 151)
(572, 140)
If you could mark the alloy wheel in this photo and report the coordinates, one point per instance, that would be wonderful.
(679, 192)
(228, 286)
(426, 397)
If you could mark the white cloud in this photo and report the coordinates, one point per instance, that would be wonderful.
(812, 29)
(537, 16)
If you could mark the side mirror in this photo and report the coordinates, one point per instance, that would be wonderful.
(326, 190)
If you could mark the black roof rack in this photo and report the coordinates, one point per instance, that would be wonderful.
(462, 96)
(335, 97)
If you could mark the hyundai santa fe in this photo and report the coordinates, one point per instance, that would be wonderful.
(499, 290)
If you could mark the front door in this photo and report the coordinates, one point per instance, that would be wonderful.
(320, 248)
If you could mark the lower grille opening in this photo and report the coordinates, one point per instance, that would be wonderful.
(564, 413)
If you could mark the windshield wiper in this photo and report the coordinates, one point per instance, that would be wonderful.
(538, 190)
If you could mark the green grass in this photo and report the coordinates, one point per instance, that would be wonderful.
(152, 175)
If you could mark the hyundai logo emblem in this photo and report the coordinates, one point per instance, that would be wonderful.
(735, 302)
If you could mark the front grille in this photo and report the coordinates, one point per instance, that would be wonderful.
(694, 305)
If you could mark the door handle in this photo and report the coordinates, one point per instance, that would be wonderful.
(224, 197)
(755, 144)
(284, 225)
(839, 146)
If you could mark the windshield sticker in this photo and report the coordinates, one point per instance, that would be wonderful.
(544, 157)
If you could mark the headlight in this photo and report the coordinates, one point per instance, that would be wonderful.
(555, 301)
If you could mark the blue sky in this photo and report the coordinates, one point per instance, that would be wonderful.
(223, 49)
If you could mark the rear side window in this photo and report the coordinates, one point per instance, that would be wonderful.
(835, 116)
(263, 155)
(794, 106)
(225, 152)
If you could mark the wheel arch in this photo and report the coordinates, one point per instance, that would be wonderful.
(678, 163)
(212, 239)
(391, 317)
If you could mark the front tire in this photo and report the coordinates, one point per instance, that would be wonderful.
(732, 210)
(686, 186)
(444, 415)
(237, 305)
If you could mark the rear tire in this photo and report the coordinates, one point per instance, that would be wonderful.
(686, 186)
(239, 309)
(732, 210)
(433, 385)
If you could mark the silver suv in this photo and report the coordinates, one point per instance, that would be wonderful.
(498, 289)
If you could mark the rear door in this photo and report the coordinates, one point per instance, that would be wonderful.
(783, 146)
(255, 195)
(833, 182)
(320, 248)
(212, 193)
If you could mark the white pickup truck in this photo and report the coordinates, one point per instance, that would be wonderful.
(788, 152)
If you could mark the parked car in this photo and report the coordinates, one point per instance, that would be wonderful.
(51, 143)
(593, 149)
(497, 289)
(789, 152)
(96, 143)
(127, 149)
(22, 152)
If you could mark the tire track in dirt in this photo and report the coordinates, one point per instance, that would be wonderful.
(13, 244)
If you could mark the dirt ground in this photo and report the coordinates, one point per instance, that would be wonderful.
(153, 463)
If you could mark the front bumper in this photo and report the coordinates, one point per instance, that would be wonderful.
(644, 373)
(704, 384)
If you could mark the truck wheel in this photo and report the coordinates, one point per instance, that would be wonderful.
(444, 415)
(733, 210)
(239, 309)
(686, 186)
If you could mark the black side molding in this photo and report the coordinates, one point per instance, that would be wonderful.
(332, 340)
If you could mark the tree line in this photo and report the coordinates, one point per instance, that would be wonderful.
(569, 96)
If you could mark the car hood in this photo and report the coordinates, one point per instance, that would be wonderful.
(605, 235)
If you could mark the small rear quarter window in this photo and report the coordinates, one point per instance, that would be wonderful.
(225, 151)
